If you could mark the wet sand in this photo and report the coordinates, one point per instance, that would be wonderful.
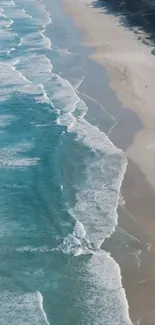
(133, 243)
(135, 249)
(131, 68)
(130, 244)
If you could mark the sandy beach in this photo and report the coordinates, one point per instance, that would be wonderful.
(131, 70)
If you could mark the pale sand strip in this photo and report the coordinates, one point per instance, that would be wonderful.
(131, 68)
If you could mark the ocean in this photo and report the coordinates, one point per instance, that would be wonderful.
(60, 179)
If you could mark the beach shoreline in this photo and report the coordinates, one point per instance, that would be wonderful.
(132, 245)
(130, 67)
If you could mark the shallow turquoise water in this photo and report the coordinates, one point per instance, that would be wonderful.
(59, 180)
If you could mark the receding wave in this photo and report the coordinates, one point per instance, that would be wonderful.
(32, 311)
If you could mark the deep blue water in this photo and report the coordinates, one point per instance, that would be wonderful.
(60, 179)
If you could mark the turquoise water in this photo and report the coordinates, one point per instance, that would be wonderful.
(60, 179)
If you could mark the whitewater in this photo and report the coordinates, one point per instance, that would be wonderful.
(60, 182)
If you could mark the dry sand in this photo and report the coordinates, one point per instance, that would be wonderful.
(131, 68)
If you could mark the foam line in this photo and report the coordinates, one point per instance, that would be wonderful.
(40, 297)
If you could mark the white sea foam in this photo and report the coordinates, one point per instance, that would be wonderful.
(47, 41)
(5, 120)
(24, 308)
(4, 22)
(29, 16)
(9, 39)
(10, 23)
(95, 212)
(79, 230)
(42, 71)
(10, 80)
(1, 13)
(32, 249)
(40, 15)
(15, 81)
(63, 92)
(97, 201)
(21, 42)
(36, 41)
(105, 301)
(24, 75)
(17, 13)
(10, 156)
(102, 194)
(73, 245)
(40, 297)
(20, 163)
(7, 4)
